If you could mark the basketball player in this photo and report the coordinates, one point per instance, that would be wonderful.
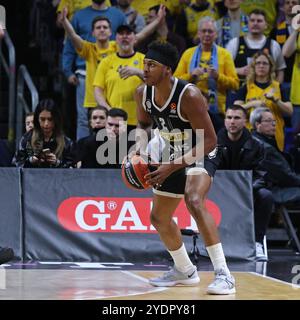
(168, 103)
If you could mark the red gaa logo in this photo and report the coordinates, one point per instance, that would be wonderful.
(120, 215)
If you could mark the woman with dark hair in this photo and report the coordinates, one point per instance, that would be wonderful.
(262, 90)
(45, 146)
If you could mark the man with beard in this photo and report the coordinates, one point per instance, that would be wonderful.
(240, 151)
(119, 74)
(101, 148)
(73, 66)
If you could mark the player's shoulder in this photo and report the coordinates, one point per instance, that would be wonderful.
(191, 92)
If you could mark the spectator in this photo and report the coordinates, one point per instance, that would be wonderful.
(281, 32)
(211, 68)
(73, 6)
(92, 52)
(243, 48)
(291, 46)
(29, 121)
(97, 121)
(74, 66)
(119, 74)
(239, 151)
(261, 89)
(102, 150)
(277, 164)
(134, 19)
(233, 24)
(161, 33)
(270, 7)
(187, 22)
(45, 146)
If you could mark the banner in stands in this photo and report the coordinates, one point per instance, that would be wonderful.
(10, 210)
(90, 215)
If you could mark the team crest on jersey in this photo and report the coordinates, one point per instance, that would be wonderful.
(136, 62)
(148, 106)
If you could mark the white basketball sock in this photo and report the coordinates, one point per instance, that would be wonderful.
(181, 259)
(217, 257)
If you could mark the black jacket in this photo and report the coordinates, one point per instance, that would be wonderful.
(25, 151)
(90, 151)
(244, 154)
(279, 170)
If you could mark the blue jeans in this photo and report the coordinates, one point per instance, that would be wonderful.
(82, 112)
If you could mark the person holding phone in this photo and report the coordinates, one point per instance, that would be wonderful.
(45, 146)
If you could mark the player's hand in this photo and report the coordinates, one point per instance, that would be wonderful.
(157, 177)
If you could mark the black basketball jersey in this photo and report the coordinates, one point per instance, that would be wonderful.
(176, 132)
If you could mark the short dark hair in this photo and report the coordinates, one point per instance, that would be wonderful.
(102, 108)
(156, 9)
(100, 18)
(29, 114)
(258, 12)
(166, 49)
(117, 112)
(238, 107)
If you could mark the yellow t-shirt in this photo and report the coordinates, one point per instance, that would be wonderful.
(227, 80)
(268, 6)
(93, 55)
(254, 92)
(75, 5)
(295, 92)
(119, 92)
(143, 6)
(193, 18)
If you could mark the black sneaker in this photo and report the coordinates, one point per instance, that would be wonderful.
(6, 254)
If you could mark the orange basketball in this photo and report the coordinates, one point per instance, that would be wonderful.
(133, 172)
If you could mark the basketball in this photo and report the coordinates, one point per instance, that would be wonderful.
(133, 172)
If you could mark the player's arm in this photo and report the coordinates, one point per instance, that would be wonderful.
(194, 108)
(77, 41)
(144, 125)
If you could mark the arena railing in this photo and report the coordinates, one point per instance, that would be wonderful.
(9, 65)
(24, 78)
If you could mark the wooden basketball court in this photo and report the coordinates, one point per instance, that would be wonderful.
(60, 284)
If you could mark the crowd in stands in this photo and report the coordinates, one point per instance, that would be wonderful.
(243, 55)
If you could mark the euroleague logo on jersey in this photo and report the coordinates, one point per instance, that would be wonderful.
(131, 215)
(173, 107)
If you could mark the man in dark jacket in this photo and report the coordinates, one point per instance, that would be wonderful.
(102, 148)
(276, 163)
(239, 151)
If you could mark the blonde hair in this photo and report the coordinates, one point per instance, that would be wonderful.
(252, 76)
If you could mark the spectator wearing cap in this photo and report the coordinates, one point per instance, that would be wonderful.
(119, 74)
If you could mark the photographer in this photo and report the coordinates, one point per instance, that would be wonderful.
(45, 146)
